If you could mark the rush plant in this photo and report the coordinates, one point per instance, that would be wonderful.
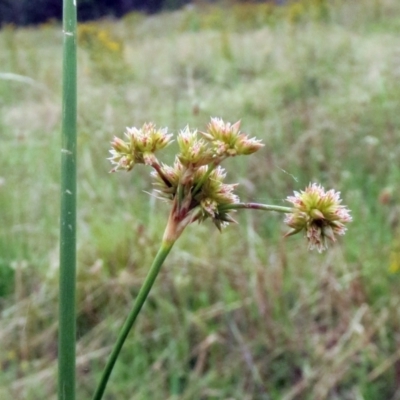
(194, 185)
(67, 319)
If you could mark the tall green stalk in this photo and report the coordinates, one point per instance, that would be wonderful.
(163, 252)
(67, 324)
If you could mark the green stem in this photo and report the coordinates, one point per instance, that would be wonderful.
(256, 206)
(67, 280)
(163, 252)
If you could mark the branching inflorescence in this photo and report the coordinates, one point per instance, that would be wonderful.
(195, 182)
(195, 187)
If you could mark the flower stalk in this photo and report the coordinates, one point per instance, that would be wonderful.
(257, 206)
(163, 252)
(194, 186)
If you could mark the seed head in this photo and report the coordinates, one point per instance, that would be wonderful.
(194, 152)
(319, 213)
(139, 146)
(228, 141)
(213, 195)
(166, 188)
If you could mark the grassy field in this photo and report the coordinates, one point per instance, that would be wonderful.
(246, 314)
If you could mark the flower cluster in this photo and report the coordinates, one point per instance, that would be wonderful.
(195, 182)
(227, 140)
(139, 148)
(319, 213)
(194, 152)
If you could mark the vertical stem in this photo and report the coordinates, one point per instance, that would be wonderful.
(163, 252)
(67, 324)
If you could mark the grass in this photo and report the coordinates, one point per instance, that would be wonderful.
(245, 314)
(66, 348)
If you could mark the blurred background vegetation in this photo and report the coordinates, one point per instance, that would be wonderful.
(240, 315)
(26, 12)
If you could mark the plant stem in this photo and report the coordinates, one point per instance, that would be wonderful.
(67, 323)
(256, 206)
(163, 252)
(158, 168)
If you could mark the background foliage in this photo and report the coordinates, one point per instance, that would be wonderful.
(26, 12)
(245, 314)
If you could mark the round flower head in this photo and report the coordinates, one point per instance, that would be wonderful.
(319, 213)
(213, 195)
(194, 152)
(139, 148)
(227, 140)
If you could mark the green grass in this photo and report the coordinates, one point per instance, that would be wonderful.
(245, 314)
